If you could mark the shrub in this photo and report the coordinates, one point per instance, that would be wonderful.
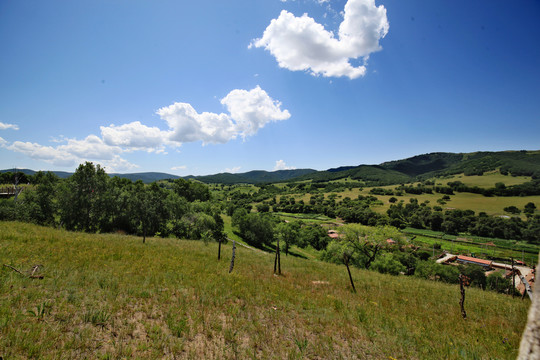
(388, 264)
(433, 271)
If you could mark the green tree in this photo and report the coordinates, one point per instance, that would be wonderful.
(313, 235)
(39, 204)
(496, 282)
(257, 229)
(388, 264)
(512, 210)
(476, 275)
(288, 234)
(529, 209)
(438, 272)
(148, 208)
(364, 243)
(192, 190)
(81, 198)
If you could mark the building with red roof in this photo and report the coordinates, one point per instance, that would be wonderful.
(471, 260)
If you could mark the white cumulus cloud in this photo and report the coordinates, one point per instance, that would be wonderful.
(91, 147)
(135, 136)
(300, 43)
(253, 109)
(280, 165)
(4, 126)
(117, 164)
(249, 111)
(46, 153)
(189, 126)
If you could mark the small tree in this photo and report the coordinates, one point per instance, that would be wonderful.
(529, 208)
(512, 210)
(288, 233)
(368, 242)
(148, 208)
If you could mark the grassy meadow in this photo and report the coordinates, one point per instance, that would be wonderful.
(111, 296)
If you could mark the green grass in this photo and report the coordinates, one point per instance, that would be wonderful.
(310, 218)
(488, 180)
(110, 296)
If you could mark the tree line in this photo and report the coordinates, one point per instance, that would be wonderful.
(91, 201)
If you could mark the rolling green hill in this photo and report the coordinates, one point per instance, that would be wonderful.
(516, 163)
(420, 167)
(253, 177)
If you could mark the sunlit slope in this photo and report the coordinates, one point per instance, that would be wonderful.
(110, 296)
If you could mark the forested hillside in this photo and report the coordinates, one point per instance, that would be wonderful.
(516, 163)
(420, 167)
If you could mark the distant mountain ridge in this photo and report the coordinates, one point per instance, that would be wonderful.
(419, 167)
(254, 177)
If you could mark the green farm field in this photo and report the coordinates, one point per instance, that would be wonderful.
(111, 296)
(487, 180)
(465, 245)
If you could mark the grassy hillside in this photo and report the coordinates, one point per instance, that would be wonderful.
(425, 166)
(110, 296)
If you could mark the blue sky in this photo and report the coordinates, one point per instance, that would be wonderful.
(206, 87)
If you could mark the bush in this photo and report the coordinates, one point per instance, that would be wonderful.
(433, 271)
(496, 282)
(476, 275)
(388, 264)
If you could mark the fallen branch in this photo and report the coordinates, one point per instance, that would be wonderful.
(31, 276)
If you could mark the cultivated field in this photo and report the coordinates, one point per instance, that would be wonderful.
(110, 296)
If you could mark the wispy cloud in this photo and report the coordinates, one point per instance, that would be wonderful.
(233, 169)
(4, 126)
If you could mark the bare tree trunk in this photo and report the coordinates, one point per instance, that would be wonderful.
(219, 251)
(346, 261)
(277, 260)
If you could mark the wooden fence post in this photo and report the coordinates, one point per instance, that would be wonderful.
(232, 258)
(462, 279)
